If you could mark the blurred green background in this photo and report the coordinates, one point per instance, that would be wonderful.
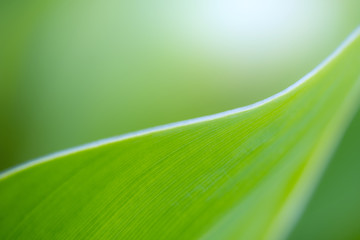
(75, 71)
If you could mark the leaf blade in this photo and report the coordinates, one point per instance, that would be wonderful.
(205, 178)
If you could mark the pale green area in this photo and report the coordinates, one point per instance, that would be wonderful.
(246, 175)
(75, 71)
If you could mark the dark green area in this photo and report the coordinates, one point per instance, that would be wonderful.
(334, 211)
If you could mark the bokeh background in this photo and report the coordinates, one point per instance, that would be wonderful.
(75, 71)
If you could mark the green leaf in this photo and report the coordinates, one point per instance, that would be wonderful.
(243, 174)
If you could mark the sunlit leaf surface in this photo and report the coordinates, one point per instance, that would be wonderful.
(242, 174)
